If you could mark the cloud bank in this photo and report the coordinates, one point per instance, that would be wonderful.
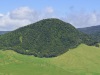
(84, 19)
(24, 15)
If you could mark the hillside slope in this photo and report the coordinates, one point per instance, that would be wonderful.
(93, 31)
(90, 30)
(83, 60)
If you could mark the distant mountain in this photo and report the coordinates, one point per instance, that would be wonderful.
(93, 31)
(3, 32)
(45, 38)
(90, 30)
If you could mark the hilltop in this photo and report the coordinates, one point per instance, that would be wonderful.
(45, 38)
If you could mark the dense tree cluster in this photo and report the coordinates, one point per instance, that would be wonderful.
(46, 38)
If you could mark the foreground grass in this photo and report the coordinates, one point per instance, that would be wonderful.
(83, 60)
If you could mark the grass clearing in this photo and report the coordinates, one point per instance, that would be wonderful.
(83, 60)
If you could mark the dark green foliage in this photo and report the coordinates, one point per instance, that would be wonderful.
(96, 36)
(93, 31)
(46, 38)
(90, 30)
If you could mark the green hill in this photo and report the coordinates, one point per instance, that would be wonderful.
(45, 38)
(90, 30)
(83, 60)
(3, 32)
(93, 31)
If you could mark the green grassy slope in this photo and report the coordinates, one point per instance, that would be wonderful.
(83, 60)
(12, 63)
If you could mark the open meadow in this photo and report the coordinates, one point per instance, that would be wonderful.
(83, 60)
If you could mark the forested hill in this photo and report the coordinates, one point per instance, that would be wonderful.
(90, 30)
(45, 38)
(3, 32)
(93, 31)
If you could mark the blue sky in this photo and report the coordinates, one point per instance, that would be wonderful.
(80, 13)
(58, 5)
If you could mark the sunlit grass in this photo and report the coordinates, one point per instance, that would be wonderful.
(83, 60)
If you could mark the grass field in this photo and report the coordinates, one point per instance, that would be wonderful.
(83, 60)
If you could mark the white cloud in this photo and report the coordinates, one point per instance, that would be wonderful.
(24, 13)
(49, 10)
(83, 19)
(22, 16)
(1, 15)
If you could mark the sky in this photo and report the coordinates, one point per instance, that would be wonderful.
(18, 13)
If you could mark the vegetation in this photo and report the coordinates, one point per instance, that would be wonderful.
(83, 60)
(3, 32)
(93, 31)
(90, 30)
(46, 38)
